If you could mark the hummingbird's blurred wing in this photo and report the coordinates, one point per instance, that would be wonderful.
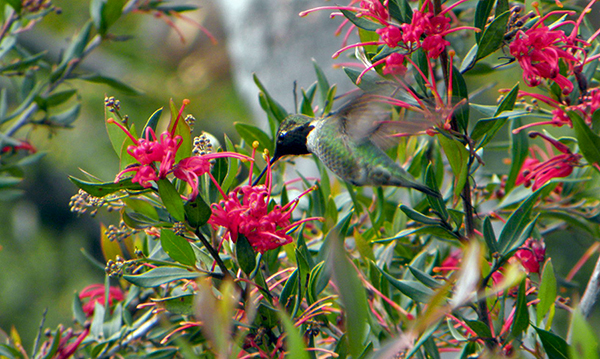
(370, 118)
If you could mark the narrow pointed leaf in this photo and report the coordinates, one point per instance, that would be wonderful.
(106, 188)
(159, 276)
(547, 291)
(589, 142)
(177, 247)
(171, 199)
(245, 254)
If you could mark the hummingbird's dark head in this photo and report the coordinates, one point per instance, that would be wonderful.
(290, 139)
(291, 136)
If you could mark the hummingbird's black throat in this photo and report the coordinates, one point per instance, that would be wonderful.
(292, 141)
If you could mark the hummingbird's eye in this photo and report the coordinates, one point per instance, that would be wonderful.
(281, 137)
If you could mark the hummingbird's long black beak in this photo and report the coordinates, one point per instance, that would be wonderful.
(260, 176)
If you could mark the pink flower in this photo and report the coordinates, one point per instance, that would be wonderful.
(190, 168)
(538, 51)
(532, 255)
(375, 9)
(556, 167)
(434, 45)
(95, 293)
(147, 151)
(394, 64)
(65, 350)
(245, 211)
(390, 35)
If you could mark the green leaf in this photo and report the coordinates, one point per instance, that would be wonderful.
(489, 236)
(233, 165)
(197, 212)
(547, 291)
(106, 188)
(352, 294)
(493, 36)
(460, 91)
(519, 147)
(290, 288)
(245, 254)
(361, 22)
(104, 13)
(58, 98)
(318, 281)
(482, 13)
(111, 82)
(458, 157)
(22, 65)
(418, 216)
(152, 121)
(159, 276)
(416, 291)
(589, 142)
(424, 278)
(584, 342)
(295, 344)
(555, 346)
(400, 10)
(10, 352)
(177, 247)
(521, 318)
(322, 86)
(516, 224)
(469, 60)
(437, 203)
(181, 304)
(487, 128)
(273, 107)
(482, 330)
(252, 133)
(77, 45)
(171, 199)
(15, 4)
(64, 119)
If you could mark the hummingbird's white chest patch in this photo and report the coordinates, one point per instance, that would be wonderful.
(312, 138)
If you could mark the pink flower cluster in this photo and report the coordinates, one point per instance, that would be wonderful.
(426, 31)
(245, 211)
(532, 255)
(540, 49)
(150, 150)
(95, 293)
(540, 172)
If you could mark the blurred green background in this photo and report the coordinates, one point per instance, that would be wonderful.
(41, 240)
(41, 264)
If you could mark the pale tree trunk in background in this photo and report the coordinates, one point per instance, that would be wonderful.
(267, 37)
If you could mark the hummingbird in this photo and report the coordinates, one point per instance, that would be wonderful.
(349, 142)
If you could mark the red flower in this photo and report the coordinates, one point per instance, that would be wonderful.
(538, 51)
(150, 149)
(190, 168)
(394, 64)
(95, 293)
(375, 9)
(64, 349)
(532, 255)
(555, 167)
(391, 35)
(246, 211)
(147, 151)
